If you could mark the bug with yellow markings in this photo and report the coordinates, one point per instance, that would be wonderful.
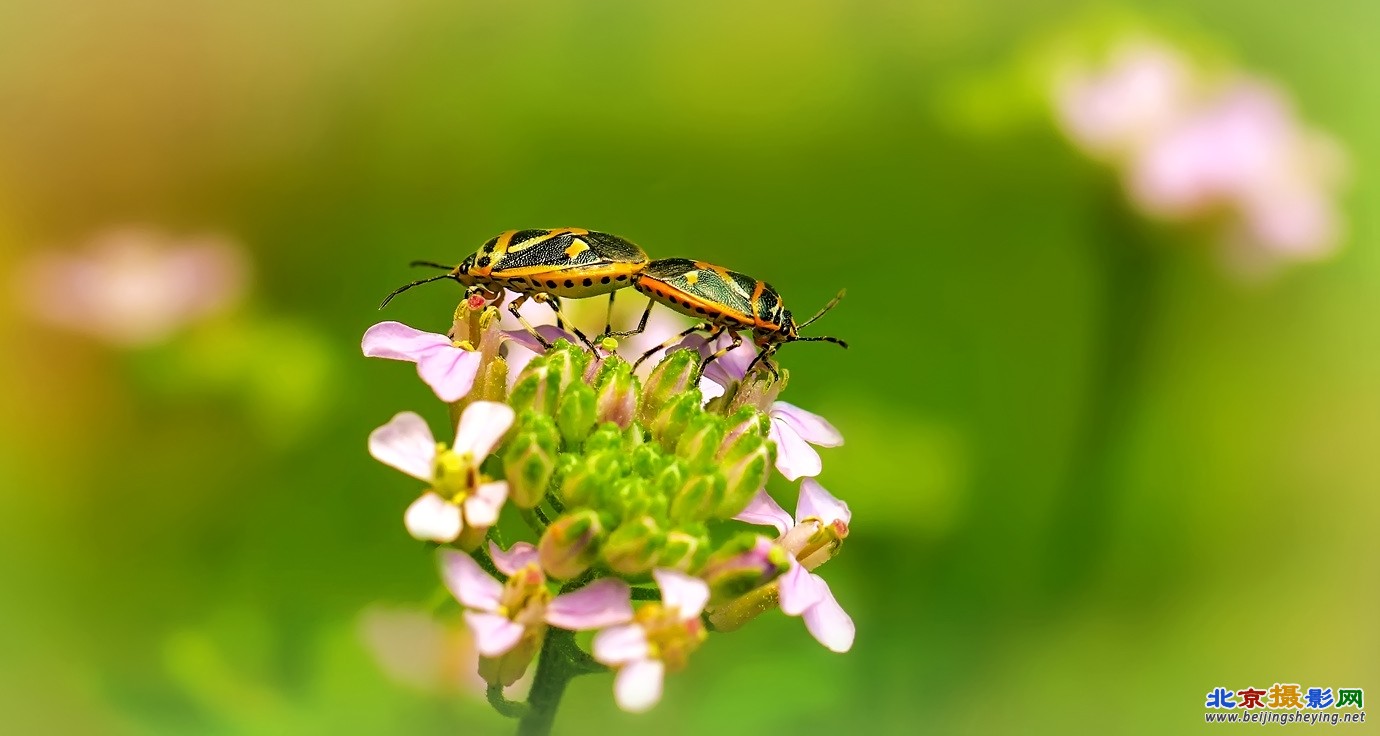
(545, 265)
(723, 301)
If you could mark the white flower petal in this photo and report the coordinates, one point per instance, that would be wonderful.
(800, 589)
(494, 635)
(482, 506)
(520, 555)
(682, 592)
(811, 427)
(817, 503)
(763, 510)
(450, 372)
(405, 443)
(604, 602)
(638, 685)
(830, 624)
(619, 644)
(468, 582)
(433, 519)
(794, 457)
(481, 427)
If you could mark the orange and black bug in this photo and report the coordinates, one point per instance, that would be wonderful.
(724, 301)
(544, 264)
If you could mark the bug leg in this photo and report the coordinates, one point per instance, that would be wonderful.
(513, 309)
(641, 324)
(608, 320)
(672, 341)
(721, 352)
(555, 305)
(764, 357)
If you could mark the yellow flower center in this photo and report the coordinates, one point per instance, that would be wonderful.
(670, 639)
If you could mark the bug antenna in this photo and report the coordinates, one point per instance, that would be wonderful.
(832, 303)
(432, 264)
(834, 340)
(405, 287)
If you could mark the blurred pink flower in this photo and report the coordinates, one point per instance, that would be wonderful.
(412, 647)
(1191, 147)
(134, 287)
(660, 639)
(811, 538)
(458, 497)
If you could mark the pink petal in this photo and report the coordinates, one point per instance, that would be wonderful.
(830, 624)
(710, 389)
(397, 341)
(550, 333)
(763, 510)
(682, 592)
(520, 555)
(481, 427)
(481, 507)
(620, 644)
(817, 503)
(449, 372)
(811, 427)
(602, 603)
(468, 582)
(494, 635)
(638, 685)
(794, 457)
(800, 589)
(405, 443)
(433, 519)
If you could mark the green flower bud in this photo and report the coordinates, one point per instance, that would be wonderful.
(671, 477)
(587, 479)
(508, 668)
(530, 460)
(570, 545)
(575, 414)
(567, 364)
(673, 376)
(745, 466)
(699, 499)
(537, 388)
(700, 441)
(745, 422)
(745, 563)
(684, 551)
(617, 392)
(631, 497)
(674, 417)
(606, 438)
(634, 547)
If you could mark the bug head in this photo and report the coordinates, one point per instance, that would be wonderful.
(792, 329)
(458, 273)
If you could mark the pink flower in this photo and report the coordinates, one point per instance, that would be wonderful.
(458, 497)
(135, 287)
(812, 537)
(793, 429)
(509, 619)
(412, 647)
(660, 639)
(445, 366)
(1111, 112)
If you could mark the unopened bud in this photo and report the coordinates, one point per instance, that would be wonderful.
(747, 562)
(745, 466)
(700, 441)
(699, 498)
(673, 376)
(536, 388)
(530, 460)
(634, 547)
(684, 551)
(617, 392)
(575, 414)
(746, 422)
(673, 419)
(583, 481)
(570, 544)
(605, 438)
(509, 667)
(567, 363)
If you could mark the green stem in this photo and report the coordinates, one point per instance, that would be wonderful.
(556, 667)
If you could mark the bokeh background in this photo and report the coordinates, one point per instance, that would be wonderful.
(1094, 474)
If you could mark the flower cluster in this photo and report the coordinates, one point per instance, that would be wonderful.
(1192, 148)
(640, 495)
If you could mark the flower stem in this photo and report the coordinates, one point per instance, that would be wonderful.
(556, 667)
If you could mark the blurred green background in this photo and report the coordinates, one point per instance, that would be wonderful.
(1092, 476)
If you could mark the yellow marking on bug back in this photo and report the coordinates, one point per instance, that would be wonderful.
(577, 246)
(692, 278)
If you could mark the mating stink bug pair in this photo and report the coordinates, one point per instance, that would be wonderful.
(544, 265)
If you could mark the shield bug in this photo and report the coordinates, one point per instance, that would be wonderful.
(544, 265)
(724, 301)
